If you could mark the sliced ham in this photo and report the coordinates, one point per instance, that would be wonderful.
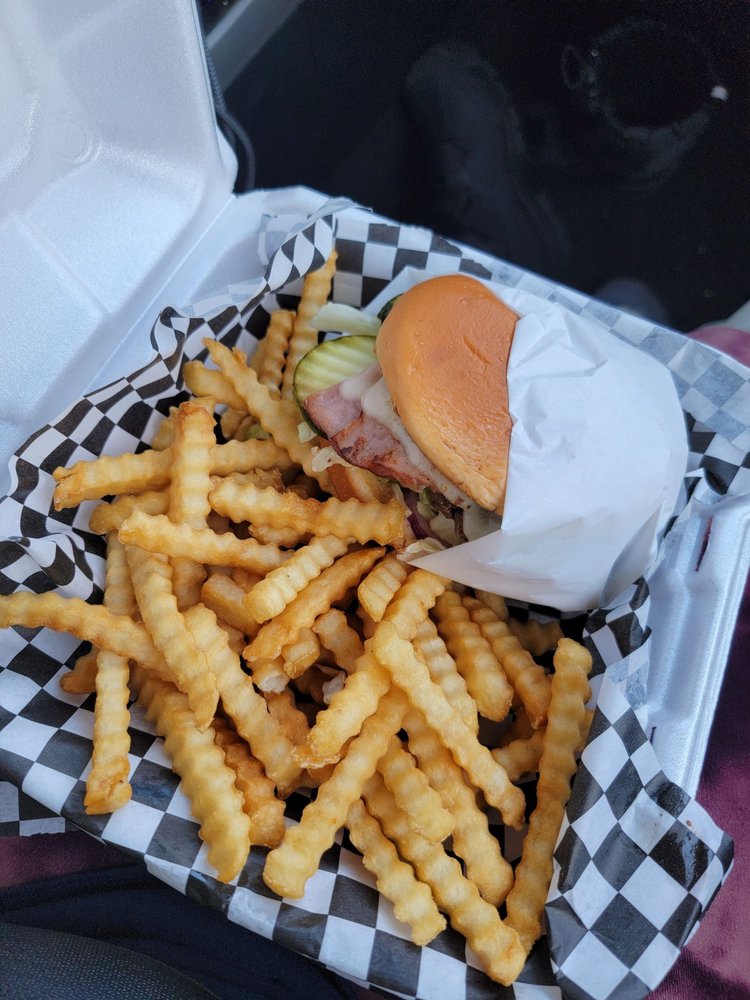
(370, 445)
(333, 408)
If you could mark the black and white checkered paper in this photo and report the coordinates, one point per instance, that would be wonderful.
(637, 862)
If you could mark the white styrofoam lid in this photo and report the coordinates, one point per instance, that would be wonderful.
(110, 171)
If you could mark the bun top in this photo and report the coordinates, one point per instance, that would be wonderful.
(443, 350)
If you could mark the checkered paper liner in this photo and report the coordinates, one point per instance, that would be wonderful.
(637, 862)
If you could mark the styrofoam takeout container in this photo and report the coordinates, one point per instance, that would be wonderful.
(116, 201)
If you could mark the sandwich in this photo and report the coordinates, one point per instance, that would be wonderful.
(427, 406)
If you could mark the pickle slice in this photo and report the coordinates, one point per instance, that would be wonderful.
(331, 362)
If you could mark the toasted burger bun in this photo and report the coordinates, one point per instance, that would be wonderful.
(443, 350)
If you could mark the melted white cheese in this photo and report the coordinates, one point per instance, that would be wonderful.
(376, 402)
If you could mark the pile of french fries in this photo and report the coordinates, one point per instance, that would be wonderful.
(257, 608)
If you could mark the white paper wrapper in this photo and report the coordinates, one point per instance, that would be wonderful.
(597, 456)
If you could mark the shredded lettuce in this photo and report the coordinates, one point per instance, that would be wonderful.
(336, 317)
(256, 433)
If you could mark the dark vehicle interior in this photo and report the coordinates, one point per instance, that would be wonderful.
(641, 169)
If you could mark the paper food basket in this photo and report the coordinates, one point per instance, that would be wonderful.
(113, 226)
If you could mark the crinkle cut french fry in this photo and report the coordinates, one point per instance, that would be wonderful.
(286, 538)
(283, 708)
(207, 781)
(276, 345)
(165, 431)
(106, 517)
(557, 766)
(348, 709)
(280, 586)
(121, 474)
(289, 866)
(301, 654)
(495, 603)
(245, 578)
(529, 680)
(412, 792)
(339, 639)
(475, 660)
(152, 582)
(202, 381)
(376, 522)
(520, 756)
(88, 622)
(411, 674)
(497, 945)
(442, 667)
(316, 598)
(107, 786)
(266, 812)
(157, 533)
(315, 291)
(150, 470)
(240, 700)
(224, 597)
(81, 679)
(413, 600)
(248, 456)
(348, 482)
(279, 417)
(190, 484)
(472, 840)
(380, 585)
(413, 903)
(536, 637)
(231, 421)
(269, 676)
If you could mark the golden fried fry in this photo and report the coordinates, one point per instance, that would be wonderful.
(315, 291)
(413, 794)
(150, 470)
(497, 945)
(339, 639)
(202, 381)
(265, 811)
(430, 648)
(276, 345)
(283, 708)
(88, 622)
(346, 713)
(536, 637)
(527, 677)
(348, 482)
(279, 417)
(495, 603)
(271, 595)
(376, 522)
(380, 585)
(107, 786)
(289, 866)
(156, 533)
(412, 601)
(520, 756)
(152, 582)
(286, 538)
(207, 781)
(412, 900)
(301, 654)
(106, 517)
(316, 598)
(472, 840)
(557, 766)
(411, 674)
(475, 661)
(225, 598)
(81, 679)
(240, 700)
(269, 676)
